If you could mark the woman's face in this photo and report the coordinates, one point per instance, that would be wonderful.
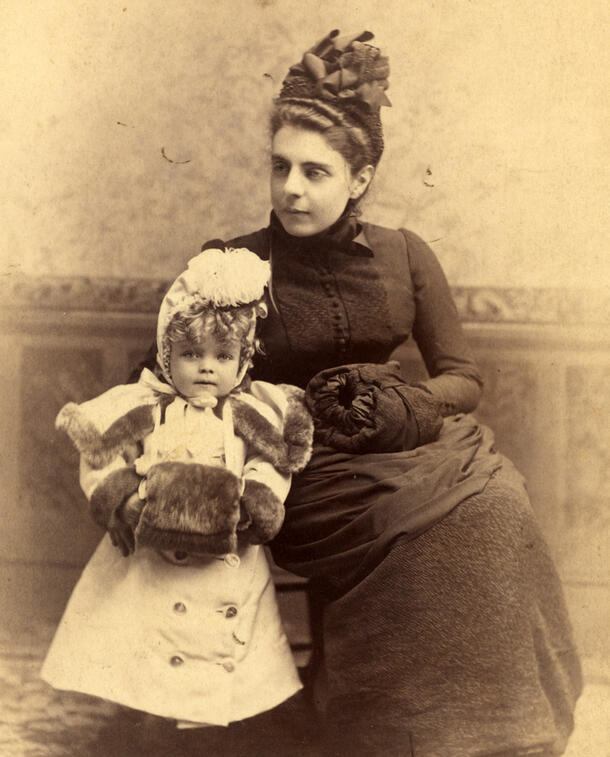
(310, 181)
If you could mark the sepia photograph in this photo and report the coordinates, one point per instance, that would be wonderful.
(305, 444)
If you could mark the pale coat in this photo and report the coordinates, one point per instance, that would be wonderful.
(191, 637)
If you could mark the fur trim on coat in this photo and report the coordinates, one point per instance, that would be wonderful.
(288, 448)
(111, 493)
(263, 510)
(120, 438)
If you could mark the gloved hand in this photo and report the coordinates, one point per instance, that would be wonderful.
(123, 523)
(262, 513)
(368, 407)
(108, 501)
(121, 534)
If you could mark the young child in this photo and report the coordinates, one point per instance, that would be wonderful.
(175, 614)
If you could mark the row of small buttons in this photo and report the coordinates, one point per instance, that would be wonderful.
(329, 286)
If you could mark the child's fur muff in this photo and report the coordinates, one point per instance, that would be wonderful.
(191, 507)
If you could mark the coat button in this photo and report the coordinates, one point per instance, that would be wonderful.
(231, 560)
(231, 612)
(176, 660)
(228, 666)
(180, 607)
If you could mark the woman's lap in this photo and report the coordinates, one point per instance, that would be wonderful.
(458, 642)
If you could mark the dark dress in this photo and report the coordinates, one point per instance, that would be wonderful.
(444, 626)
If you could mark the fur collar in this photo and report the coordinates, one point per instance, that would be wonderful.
(100, 434)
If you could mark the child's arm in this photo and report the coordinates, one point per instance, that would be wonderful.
(279, 445)
(262, 500)
(112, 492)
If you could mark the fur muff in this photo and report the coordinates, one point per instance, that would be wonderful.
(191, 507)
(265, 511)
(288, 450)
(111, 493)
(99, 449)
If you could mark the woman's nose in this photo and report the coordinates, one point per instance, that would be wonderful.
(294, 183)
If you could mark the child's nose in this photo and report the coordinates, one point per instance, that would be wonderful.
(206, 364)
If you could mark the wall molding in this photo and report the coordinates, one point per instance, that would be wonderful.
(487, 304)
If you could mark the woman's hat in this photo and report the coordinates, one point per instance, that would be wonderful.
(348, 73)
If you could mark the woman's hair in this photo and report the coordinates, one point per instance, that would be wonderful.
(341, 132)
(225, 323)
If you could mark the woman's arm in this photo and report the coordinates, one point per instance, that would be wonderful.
(455, 379)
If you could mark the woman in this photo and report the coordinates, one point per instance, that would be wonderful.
(443, 626)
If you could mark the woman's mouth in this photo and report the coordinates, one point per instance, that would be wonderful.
(296, 212)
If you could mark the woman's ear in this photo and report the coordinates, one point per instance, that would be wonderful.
(361, 181)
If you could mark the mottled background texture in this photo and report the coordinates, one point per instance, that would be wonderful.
(495, 147)
(132, 131)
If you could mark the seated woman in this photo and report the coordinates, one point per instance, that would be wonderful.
(444, 631)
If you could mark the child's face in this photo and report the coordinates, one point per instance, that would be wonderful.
(208, 367)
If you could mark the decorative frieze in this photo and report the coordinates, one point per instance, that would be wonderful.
(142, 295)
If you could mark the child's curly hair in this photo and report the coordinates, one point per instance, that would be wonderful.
(225, 323)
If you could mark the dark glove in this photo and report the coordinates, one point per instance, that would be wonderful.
(368, 407)
(262, 513)
(123, 523)
(121, 535)
(107, 503)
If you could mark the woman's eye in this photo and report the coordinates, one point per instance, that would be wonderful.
(316, 173)
(279, 168)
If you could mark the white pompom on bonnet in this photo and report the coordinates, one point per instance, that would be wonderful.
(215, 278)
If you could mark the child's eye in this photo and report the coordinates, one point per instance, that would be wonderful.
(189, 354)
(225, 356)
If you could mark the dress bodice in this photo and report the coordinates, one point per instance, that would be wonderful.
(354, 294)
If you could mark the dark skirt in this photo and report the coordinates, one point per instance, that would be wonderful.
(444, 627)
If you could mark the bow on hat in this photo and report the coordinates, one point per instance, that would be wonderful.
(347, 68)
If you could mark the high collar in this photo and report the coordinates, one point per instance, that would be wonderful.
(345, 235)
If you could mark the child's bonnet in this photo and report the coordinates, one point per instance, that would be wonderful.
(189, 505)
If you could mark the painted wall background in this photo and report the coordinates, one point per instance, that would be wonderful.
(495, 154)
(497, 104)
